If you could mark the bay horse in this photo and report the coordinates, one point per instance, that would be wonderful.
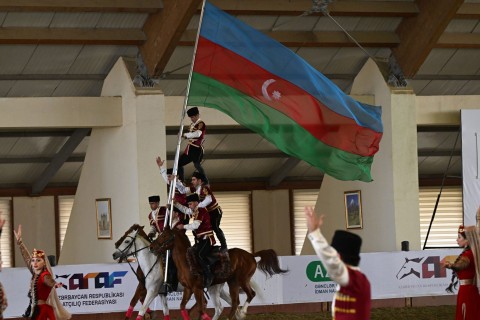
(135, 243)
(242, 267)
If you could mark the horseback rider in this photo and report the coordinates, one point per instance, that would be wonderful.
(157, 220)
(208, 201)
(202, 230)
(156, 216)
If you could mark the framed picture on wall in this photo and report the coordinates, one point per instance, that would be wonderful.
(353, 209)
(104, 218)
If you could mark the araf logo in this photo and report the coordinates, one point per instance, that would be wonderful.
(316, 272)
(429, 267)
(95, 280)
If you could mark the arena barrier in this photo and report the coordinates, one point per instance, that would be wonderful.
(104, 288)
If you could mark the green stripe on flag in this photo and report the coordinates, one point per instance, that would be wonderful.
(277, 128)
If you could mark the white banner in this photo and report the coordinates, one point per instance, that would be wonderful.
(470, 120)
(103, 288)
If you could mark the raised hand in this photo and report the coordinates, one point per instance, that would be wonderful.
(18, 233)
(160, 162)
(313, 223)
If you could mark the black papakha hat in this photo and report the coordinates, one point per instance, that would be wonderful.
(348, 246)
(192, 112)
(198, 175)
(170, 171)
(154, 199)
(193, 197)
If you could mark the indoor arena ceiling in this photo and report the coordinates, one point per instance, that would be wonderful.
(66, 48)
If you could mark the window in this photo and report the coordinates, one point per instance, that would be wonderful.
(65, 204)
(236, 221)
(448, 217)
(301, 199)
(6, 238)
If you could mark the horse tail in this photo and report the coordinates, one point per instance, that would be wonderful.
(269, 263)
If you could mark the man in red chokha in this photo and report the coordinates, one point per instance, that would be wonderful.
(44, 303)
(352, 299)
(208, 201)
(202, 230)
(194, 150)
(156, 217)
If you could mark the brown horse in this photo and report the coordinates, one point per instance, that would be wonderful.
(242, 267)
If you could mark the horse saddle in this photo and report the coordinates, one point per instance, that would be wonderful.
(218, 261)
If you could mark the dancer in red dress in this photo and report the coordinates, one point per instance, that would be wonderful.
(44, 303)
(468, 298)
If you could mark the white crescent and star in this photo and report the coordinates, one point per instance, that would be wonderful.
(276, 95)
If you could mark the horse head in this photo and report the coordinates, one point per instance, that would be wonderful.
(164, 241)
(125, 246)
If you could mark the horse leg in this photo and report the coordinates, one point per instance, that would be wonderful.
(214, 292)
(198, 292)
(143, 293)
(187, 293)
(234, 295)
(148, 299)
(245, 284)
(166, 311)
(140, 293)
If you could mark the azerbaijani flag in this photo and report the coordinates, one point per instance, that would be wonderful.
(267, 88)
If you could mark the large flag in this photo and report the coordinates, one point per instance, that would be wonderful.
(267, 88)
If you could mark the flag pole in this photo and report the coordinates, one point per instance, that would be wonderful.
(171, 192)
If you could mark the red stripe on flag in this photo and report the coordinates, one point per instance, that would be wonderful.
(326, 125)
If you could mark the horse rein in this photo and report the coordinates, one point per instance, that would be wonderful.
(134, 253)
(164, 244)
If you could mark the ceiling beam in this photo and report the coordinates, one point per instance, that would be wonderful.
(438, 153)
(438, 128)
(283, 172)
(59, 159)
(99, 36)
(420, 34)
(145, 6)
(237, 156)
(164, 30)
(319, 39)
(23, 77)
(459, 40)
(446, 77)
(338, 8)
(468, 11)
(78, 158)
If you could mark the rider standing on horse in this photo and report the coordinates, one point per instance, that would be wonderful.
(208, 201)
(202, 230)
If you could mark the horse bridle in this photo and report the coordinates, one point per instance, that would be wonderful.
(134, 253)
(165, 243)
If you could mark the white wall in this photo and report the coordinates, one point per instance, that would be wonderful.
(37, 217)
(271, 221)
(119, 164)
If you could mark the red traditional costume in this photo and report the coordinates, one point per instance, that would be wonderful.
(468, 299)
(464, 268)
(353, 297)
(44, 303)
(194, 150)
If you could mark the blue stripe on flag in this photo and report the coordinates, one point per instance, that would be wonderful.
(233, 34)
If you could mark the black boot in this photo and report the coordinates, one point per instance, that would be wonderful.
(172, 277)
(207, 275)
